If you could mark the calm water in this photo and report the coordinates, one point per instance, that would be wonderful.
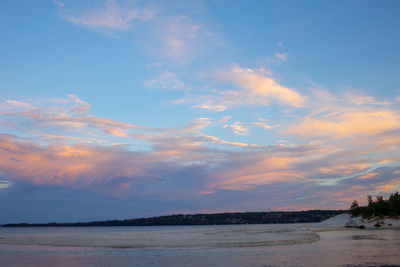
(335, 248)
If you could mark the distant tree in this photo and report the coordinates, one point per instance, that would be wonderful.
(370, 201)
(355, 209)
(394, 203)
(380, 207)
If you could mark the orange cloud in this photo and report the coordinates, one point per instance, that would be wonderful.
(368, 176)
(64, 165)
(347, 122)
(237, 128)
(391, 186)
(343, 168)
(255, 88)
(211, 107)
(260, 89)
(259, 169)
(263, 124)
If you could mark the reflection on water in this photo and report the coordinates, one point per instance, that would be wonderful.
(335, 248)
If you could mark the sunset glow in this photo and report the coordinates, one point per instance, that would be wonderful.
(145, 108)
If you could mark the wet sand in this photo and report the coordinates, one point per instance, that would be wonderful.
(219, 236)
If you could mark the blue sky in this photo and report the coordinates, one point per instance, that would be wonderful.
(120, 109)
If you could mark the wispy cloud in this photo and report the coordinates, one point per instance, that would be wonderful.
(225, 119)
(178, 39)
(262, 90)
(5, 184)
(237, 128)
(70, 114)
(167, 81)
(163, 33)
(255, 87)
(110, 15)
(60, 4)
(216, 140)
(263, 123)
(211, 107)
(354, 116)
(282, 56)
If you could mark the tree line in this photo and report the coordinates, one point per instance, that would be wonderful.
(207, 219)
(379, 207)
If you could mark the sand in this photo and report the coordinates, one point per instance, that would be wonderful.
(200, 236)
(212, 236)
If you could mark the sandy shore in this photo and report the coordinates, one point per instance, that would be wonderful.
(346, 221)
(218, 236)
(201, 236)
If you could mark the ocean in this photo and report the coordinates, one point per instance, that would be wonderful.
(222, 245)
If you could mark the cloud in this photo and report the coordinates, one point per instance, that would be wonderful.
(69, 114)
(255, 88)
(59, 145)
(178, 39)
(80, 106)
(225, 119)
(368, 176)
(58, 3)
(108, 169)
(282, 56)
(389, 187)
(193, 127)
(360, 99)
(178, 36)
(211, 107)
(161, 30)
(166, 81)
(110, 16)
(338, 123)
(261, 90)
(237, 128)
(246, 171)
(18, 104)
(5, 184)
(263, 124)
(216, 140)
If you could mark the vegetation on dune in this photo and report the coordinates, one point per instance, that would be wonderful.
(379, 207)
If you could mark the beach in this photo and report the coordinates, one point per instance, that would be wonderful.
(327, 243)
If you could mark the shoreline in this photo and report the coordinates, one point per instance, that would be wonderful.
(192, 237)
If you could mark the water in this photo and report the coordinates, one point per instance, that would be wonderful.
(291, 245)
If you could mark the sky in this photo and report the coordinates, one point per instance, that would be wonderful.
(120, 109)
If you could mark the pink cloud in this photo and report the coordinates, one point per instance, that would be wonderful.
(64, 116)
(226, 165)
